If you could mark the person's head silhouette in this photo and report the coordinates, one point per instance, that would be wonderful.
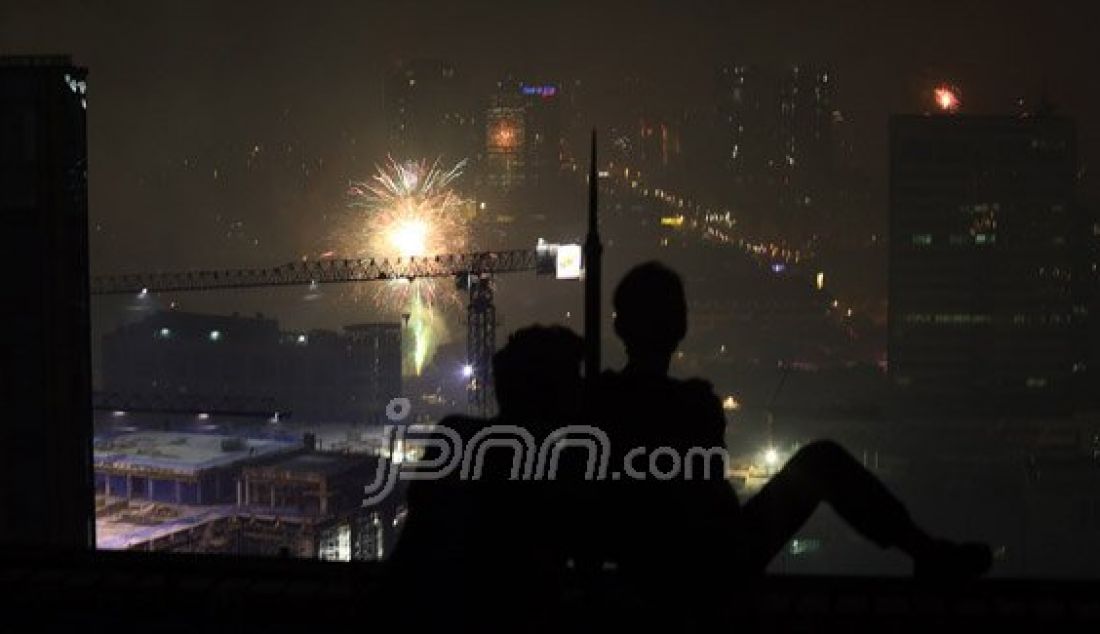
(650, 315)
(537, 374)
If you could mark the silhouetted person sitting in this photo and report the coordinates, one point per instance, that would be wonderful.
(490, 549)
(682, 524)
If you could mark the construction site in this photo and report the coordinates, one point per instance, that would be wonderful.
(208, 493)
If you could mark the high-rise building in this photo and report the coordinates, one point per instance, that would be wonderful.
(428, 112)
(505, 144)
(777, 145)
(375, 351)
(746, 121)
(523, 135)
(316, 375)
(985, 312)
(46, 437)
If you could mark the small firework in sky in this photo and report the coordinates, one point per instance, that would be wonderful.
(947, 98)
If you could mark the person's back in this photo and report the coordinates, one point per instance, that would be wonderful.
(671, 503)
(669, 509)
(492, 536)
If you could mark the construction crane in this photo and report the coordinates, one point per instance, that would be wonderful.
(473, 272)
(211, 405)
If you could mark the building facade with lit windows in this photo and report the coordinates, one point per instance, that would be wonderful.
(777, 143)
(986, 310)
(523, 135)
(505, 145)
(318, 375)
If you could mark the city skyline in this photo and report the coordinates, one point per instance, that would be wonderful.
(856, 241)
(223, 80)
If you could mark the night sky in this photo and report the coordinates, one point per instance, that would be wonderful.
(186, 98)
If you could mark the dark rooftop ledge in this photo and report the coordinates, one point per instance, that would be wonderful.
(154, 593)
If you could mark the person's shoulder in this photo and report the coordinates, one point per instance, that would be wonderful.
(696, 386)
(699, 394)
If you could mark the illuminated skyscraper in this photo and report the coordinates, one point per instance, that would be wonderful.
(744, 119)
(986, 310)
(523, 135)
(505, 144)
(777, 143)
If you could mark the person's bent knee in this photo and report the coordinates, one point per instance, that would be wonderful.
(819, 452)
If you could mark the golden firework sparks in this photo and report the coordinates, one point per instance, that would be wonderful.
(410, 210)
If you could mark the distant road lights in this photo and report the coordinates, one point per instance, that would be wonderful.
(204, 416)
(730, 404)
(143, 293)
(467, 371)
(302, 340)
(165, 333)
(819, 281)
(215, 335)
(771, 457)
(118, 413)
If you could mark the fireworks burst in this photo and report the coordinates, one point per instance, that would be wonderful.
(947, 98)
(410, 210)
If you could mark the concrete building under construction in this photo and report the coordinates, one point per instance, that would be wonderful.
(181, 492)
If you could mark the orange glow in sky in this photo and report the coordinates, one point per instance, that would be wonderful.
(947, 99)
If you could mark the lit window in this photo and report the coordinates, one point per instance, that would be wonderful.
(985, 238)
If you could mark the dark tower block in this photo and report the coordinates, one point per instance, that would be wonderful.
(45, 444)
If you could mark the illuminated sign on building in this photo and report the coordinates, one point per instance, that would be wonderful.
(545, 91)
(563, 261)
(569, 262)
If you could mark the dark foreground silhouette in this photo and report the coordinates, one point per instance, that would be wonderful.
(644, 407)
(505, 545)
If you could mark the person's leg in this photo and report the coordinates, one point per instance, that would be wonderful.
(823, 472)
